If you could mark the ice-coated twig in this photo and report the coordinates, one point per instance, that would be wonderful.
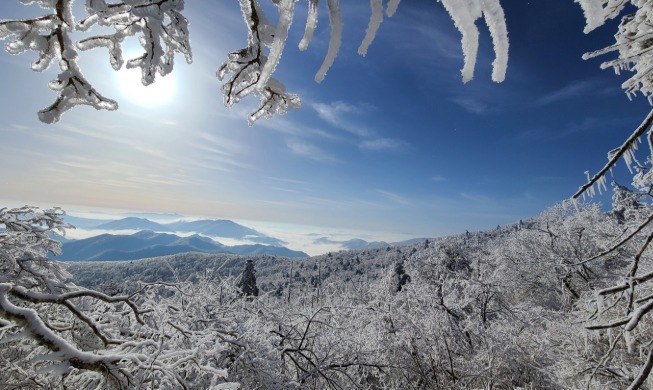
(49, 36)
(375, 22)
(335, 19)
(614, 156)
(251, 70)
(311, 24)
(160, 40)
(464, 14)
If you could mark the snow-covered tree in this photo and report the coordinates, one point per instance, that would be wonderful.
(54, 334)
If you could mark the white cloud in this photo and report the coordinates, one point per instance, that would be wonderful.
(382, 144)
(335, 115)
(472, 105)
(438, 178)
(307, 150)
(396, 198)
(573, 89)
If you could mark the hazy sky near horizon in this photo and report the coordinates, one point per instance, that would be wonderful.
(392, 142)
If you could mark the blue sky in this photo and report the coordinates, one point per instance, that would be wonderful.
(392, 143)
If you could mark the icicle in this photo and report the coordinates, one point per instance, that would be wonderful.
(464, 13)
(392, 7)
(375, 21)
(311, 24)
(602, 185)
(286, 8)
(496, 22)
(594, 15)
(335, 18)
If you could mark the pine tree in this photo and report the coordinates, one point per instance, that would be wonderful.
(401, 277)
(247, 282)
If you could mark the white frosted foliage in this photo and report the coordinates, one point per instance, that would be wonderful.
(311, 24)
(593, 14)
(286, 8)
(464, 13)
(375, 22)
(496, 22)
(162, 31)
(335, 18)
(392, 7)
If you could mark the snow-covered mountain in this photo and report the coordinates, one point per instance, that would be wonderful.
(208, 227)
(145, 244)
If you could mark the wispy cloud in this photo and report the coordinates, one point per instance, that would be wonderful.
(472, 105)
(310, 151)
(335, 114)
(381, 144)
(476, 198)
(287, 184)
(438, 178)
(396, 198)
(571, 90)
(576, 127)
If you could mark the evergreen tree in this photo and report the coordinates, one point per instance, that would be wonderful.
(247, 282)
(401, 277)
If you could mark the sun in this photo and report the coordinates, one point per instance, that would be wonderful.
(156, 94)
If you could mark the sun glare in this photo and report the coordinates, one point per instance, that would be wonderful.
(156, 94)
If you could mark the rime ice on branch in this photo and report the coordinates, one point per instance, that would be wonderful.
(251, 68)
(163, 32)
(159, 23)
(49, 36)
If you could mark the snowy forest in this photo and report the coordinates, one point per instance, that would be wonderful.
(561, 300)
(557, 301)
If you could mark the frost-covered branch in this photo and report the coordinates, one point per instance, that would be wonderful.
(251, 69)
(49, 36)
(633, 40)
(162, 28)
(162, 31)
(464, 14)
(627, 151)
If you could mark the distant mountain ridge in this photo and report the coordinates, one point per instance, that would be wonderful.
(209, 227)
(357, 243)
(145, 244)
(133, 223)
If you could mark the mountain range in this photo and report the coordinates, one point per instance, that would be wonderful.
(145, 244)
(208, 227)
(357, 243)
